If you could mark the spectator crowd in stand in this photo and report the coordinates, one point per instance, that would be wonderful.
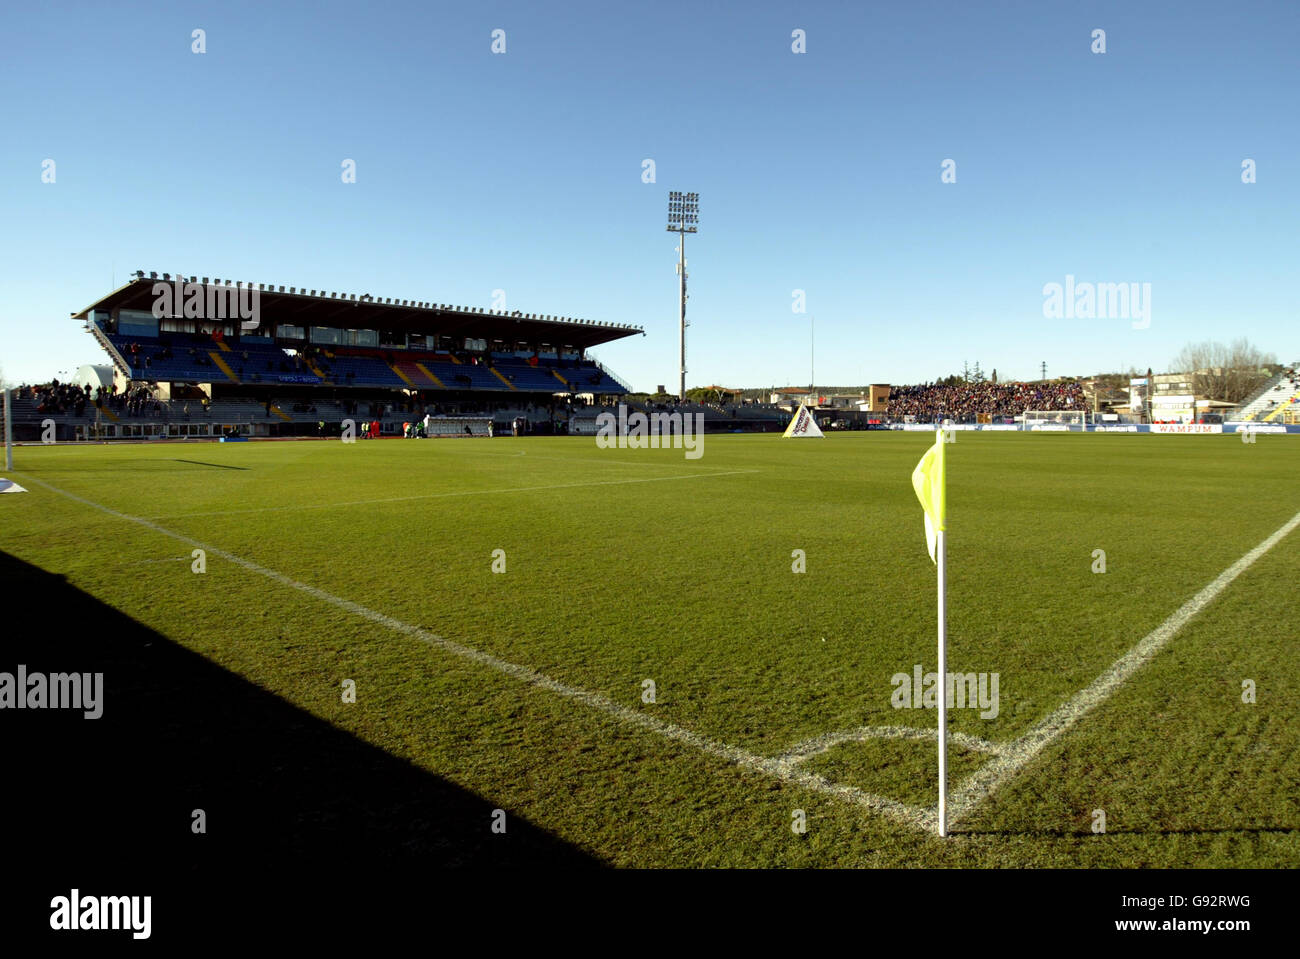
(58, 399)
(55, 397)
(965, 401)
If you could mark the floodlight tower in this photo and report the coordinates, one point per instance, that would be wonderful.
(683, 218)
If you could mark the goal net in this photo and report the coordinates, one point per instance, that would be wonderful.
(1060, 421)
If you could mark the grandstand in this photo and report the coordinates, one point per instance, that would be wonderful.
(1279, 396)
(192, 365)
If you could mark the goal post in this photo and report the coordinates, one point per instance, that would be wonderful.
(1057, 421)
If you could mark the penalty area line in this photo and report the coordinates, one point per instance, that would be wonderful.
(776, 768)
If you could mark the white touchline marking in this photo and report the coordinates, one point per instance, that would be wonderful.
(993, 774)
(468, 492)
(780, 769)
(604, 461)
(819, 744)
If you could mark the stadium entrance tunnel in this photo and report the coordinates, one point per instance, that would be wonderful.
(92, 799)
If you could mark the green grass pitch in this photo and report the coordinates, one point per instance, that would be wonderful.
(622, 566)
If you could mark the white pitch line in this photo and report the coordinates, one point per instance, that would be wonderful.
(995, 773)
(819, 744)
(604, 461)
(779, 769)
(469, 492)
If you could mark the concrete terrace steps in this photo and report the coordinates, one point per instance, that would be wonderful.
(1272, 390)
(1275, 414)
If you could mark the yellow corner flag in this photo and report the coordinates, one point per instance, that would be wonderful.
(928, 481)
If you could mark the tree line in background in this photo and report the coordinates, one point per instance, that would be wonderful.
(1226, 371)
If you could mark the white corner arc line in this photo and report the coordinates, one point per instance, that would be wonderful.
(786, 772)
(995, 773)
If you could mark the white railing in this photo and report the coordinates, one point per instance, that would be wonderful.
(610, 373)
(119, 361)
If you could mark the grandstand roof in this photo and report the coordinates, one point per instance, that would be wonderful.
(322, 308)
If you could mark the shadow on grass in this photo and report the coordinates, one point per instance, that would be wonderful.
(179, 733)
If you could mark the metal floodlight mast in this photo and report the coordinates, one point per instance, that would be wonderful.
(683, 218)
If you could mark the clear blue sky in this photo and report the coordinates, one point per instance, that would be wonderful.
(817, 171)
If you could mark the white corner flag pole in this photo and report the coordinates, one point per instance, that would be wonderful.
(930, 481)
(9, 435)
(942, 553)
